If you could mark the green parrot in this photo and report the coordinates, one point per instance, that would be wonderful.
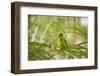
(61, 42)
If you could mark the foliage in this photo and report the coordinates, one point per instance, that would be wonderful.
(56, 37)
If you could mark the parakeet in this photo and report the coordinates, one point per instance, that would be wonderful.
(61, 42)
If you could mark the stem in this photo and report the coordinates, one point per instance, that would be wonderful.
(34, 35)
(42, 37)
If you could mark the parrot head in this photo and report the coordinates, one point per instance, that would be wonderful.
(60, 35)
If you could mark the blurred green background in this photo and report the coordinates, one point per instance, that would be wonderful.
(57, 37)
